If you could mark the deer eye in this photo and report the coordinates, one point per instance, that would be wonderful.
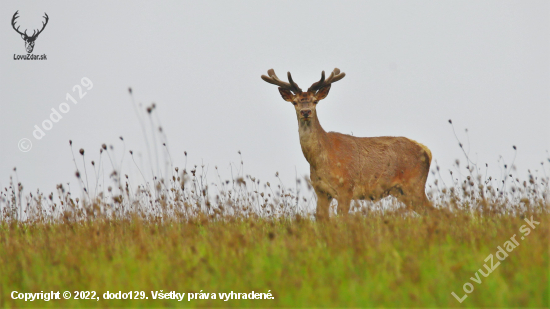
(315, 102)
(294, 103)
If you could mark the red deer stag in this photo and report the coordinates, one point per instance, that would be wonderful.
(346, 167)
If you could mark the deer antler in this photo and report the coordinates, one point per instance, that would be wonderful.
(13, 24)
(334, 77)
(273, 79)
(43, 26)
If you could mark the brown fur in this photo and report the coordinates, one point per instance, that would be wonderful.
(346, 167)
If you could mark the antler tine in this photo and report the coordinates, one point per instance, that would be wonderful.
(13, 22)
(295, 87)
(315, 86)
(273, 79)
(333, 77)
(43, 24)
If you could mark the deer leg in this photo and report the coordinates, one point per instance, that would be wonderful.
(424, 202)
(323, 203)
(416, 200)
(344, 202)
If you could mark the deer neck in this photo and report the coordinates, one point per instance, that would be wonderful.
(313, 140)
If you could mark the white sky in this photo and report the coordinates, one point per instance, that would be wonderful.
(410, 66)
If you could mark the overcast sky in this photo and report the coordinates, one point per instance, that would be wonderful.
(410, 66)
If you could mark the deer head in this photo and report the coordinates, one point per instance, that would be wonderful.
(29, 40)
(304, 102)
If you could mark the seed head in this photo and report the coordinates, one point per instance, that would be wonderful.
(81, 151)
(104, 146)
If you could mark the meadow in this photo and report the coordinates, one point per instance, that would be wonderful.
(486, 239)
(360, 262)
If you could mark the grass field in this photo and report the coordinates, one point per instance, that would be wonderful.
(186, 234)
(364, 261)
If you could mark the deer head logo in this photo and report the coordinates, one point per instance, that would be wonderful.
(29, 40)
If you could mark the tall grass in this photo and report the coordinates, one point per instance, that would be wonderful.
(179, 231)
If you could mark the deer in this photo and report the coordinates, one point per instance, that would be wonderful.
(345, 167)
(29, 40)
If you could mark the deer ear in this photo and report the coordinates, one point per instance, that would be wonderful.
(322, 93)
(286, 94)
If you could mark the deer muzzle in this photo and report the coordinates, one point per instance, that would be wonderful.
(305, 113)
